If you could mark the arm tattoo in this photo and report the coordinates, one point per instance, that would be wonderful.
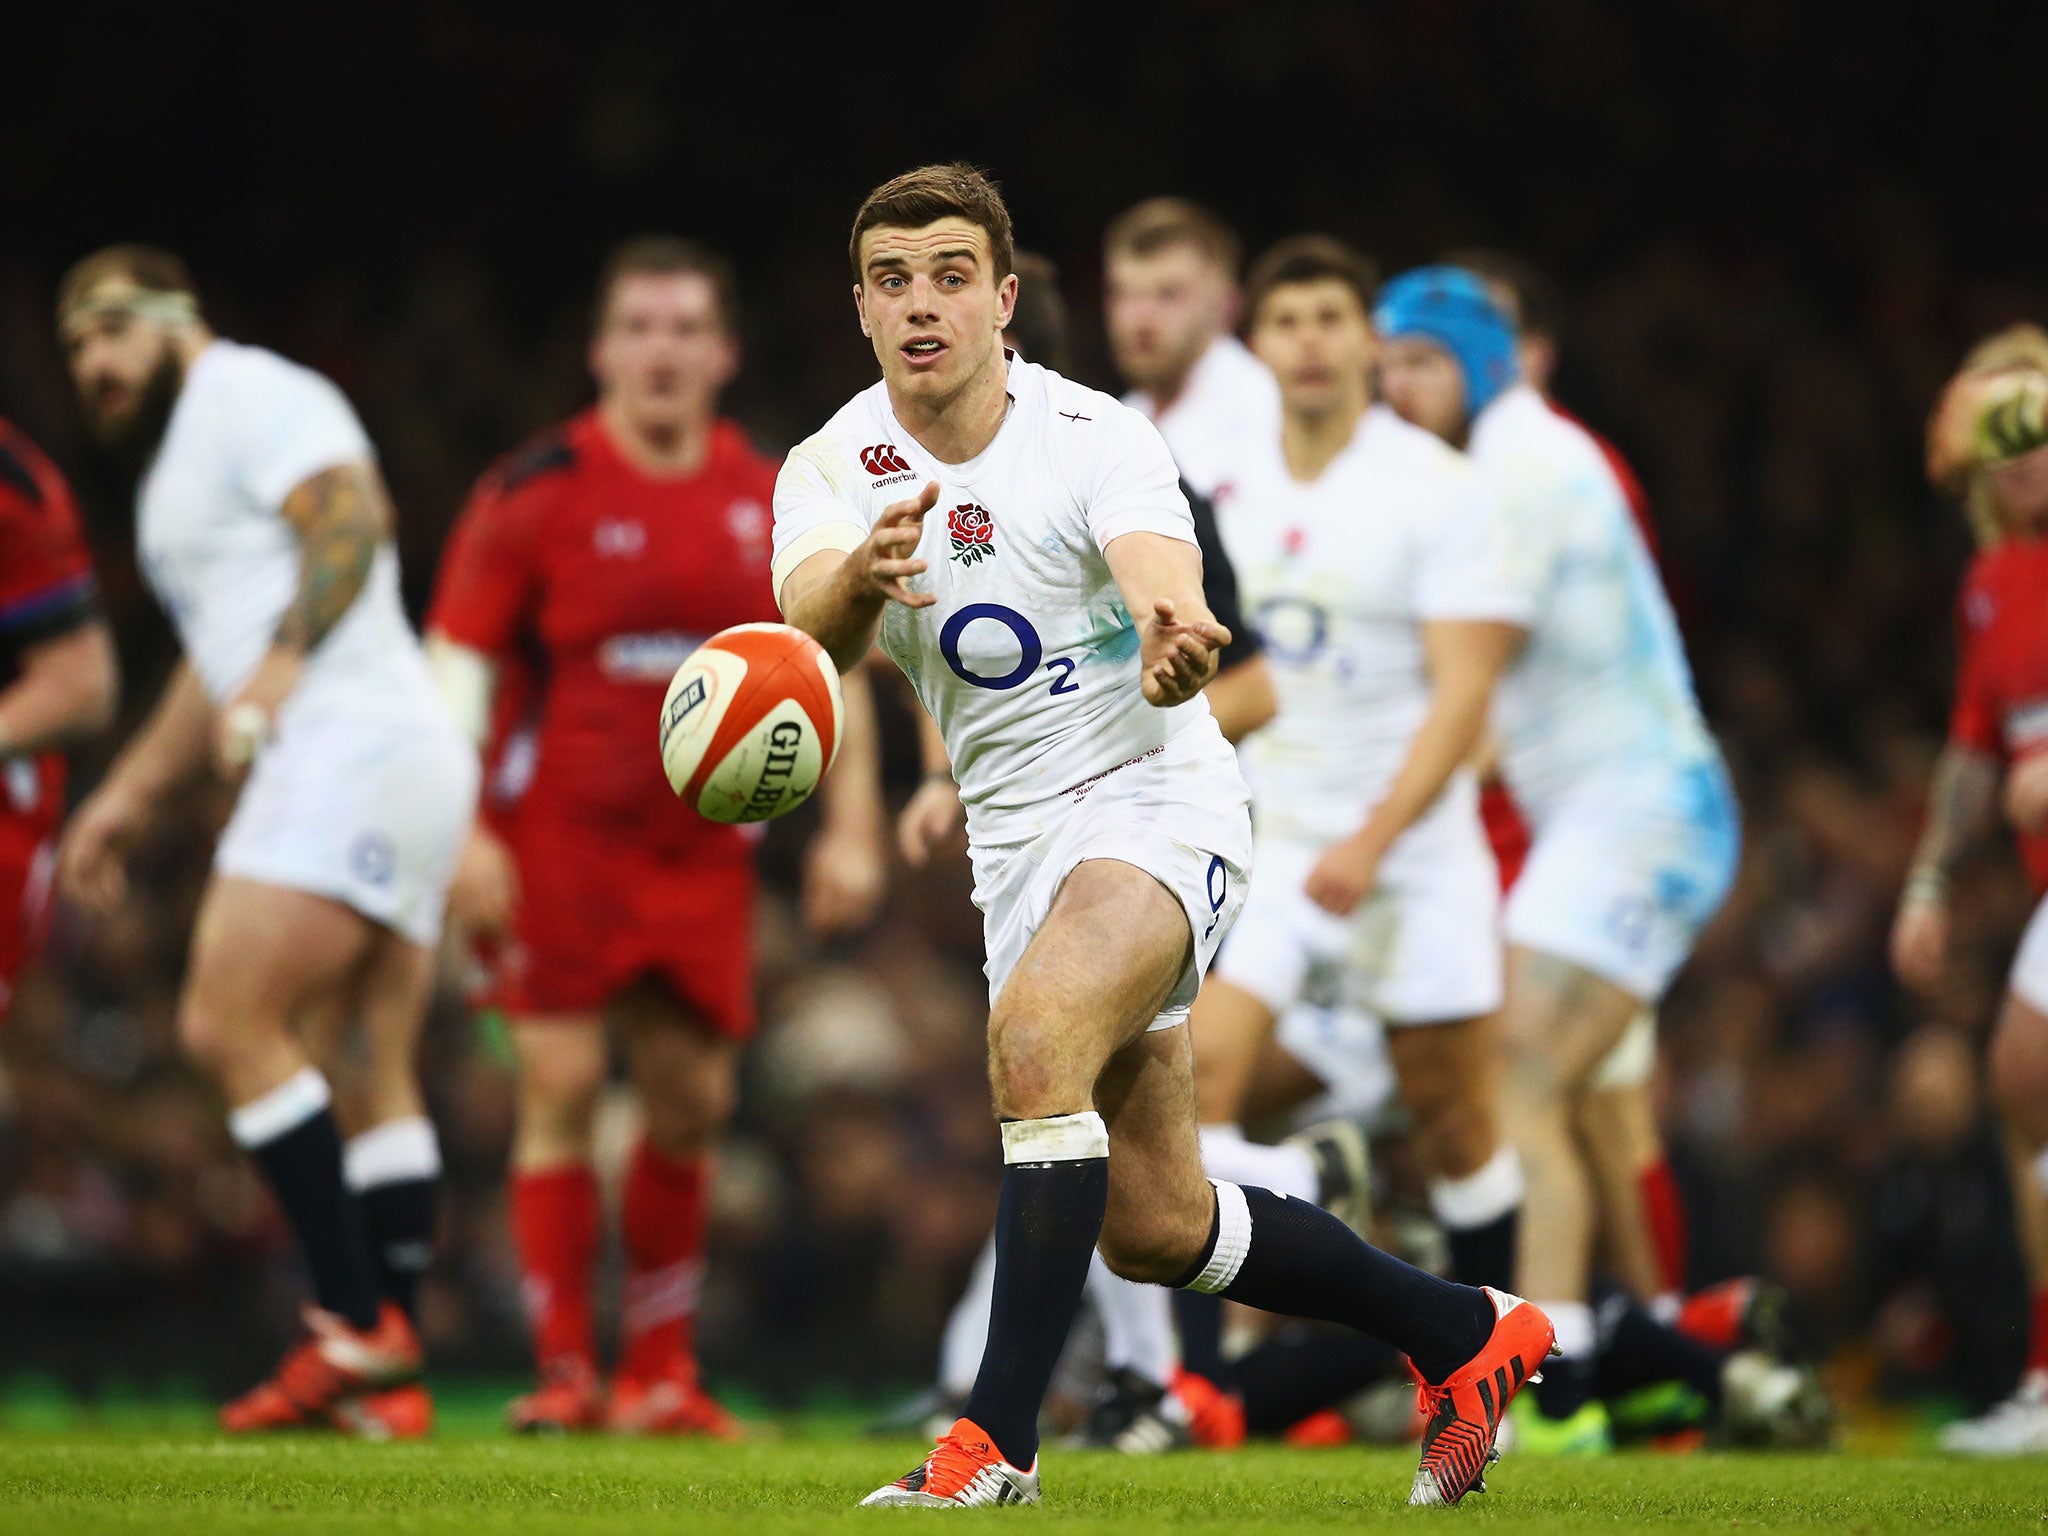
(1959, 807)
(341, 515)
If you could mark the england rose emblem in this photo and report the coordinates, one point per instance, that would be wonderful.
(973, 532)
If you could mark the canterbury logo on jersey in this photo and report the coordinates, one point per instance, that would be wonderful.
(886, 464)
(645, 658)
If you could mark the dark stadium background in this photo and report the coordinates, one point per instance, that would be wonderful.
(1777, 228)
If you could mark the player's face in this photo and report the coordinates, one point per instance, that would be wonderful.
(662, 350)
(2021, 485)
(933, 305)
(1318, 340)
(127, 373)
(1163, 310)
(1424, 385)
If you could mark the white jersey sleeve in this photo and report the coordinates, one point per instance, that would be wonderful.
(1463, 565)
(1136, 488)
(290, 424)
(818, 507)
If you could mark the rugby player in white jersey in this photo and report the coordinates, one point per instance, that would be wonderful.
(1172, 303)
(1051, 620)
(1363, 547)
(265, 531)
(1635, 827)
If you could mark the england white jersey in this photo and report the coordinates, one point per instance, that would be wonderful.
(1230, 404)
(1600, 703)
(247, 428)
(1338, 576)
(1028, 662)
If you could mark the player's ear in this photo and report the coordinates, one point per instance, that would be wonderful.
(860, 307)
(1006, 301)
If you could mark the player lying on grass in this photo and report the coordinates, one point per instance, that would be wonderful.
(1051, 619)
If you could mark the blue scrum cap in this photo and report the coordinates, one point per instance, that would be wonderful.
(1451, 307)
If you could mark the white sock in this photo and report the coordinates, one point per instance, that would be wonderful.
(396, 1152)
(966, 1335)
(285, 1108)
(1482, 1196)
(1573, 1321)
(1289, 1171)
(1137, 1324)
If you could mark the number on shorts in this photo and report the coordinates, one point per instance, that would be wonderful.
(1218, 883)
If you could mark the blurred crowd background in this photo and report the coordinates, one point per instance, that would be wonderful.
(1774, 237)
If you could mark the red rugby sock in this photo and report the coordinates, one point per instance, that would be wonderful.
(554, 1224)
(2037, 1332)
(1664, 1209)
(664, 1221)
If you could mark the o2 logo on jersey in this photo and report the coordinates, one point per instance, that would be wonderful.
(972, 531)
(1292, 628)
(1030, 651)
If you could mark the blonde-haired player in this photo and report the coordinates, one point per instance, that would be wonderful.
(1986, 441)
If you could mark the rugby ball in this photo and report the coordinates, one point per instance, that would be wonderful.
(751, 722)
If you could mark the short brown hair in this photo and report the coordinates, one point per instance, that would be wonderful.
(149, 267)
(669, 256)
(1161, 222)
(1311, 259)
(933, 192)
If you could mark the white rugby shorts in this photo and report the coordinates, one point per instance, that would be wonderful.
(1345, 1049)
(1422, 948)
(1180, 813)
(367, 807)
(1623, 883)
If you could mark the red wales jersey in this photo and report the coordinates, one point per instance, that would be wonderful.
(2002, 665)
(46, 589)
(604, 577)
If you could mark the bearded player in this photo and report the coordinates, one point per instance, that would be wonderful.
(265, 531)
(58, 685)
(1051, 620)
(1986, 441)
(609, 549)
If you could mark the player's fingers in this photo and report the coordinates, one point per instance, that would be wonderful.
(1162, 610)
(894, 569)
(1214, 635)
(911, 509)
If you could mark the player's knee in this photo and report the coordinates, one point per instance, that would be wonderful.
(204, 1037)
(1150, 1246)
(1027, 1073)
(560, 1093)
(684, 1120)
(2019, 1079)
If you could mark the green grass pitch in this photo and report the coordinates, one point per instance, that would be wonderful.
(471, 1483)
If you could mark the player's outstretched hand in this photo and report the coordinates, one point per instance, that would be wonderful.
(888, 560)
(1920, 942)
(1342, 876)
(1984, 418)
(485, 891)
(2026, 794)
(932, 823)
(1178, 659)
(247, 720)
(846, 870)
(92, 859)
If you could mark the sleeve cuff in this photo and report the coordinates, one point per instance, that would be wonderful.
(840, 538)
(1117, 524)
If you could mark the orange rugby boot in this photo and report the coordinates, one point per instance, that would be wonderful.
(1464, 1411)
(333, 1363)
(671, 1404)
(403, 1413)
(965, 1469)
(569, 1397)
(1215, 1417)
